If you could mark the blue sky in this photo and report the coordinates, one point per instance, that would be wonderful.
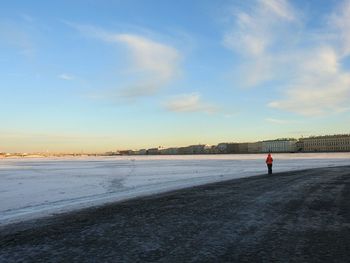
(105, 75)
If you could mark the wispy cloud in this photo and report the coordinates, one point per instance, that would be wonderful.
(159, 59)
(256, 34)
(308, 66)
(280, 8)
(65, 76)
(321, 86)
(340, 25)
(157, 63)
(253, 31)
(189, 103)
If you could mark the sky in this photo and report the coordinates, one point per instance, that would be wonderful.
(102, 75)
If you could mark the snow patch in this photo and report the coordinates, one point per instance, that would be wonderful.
(32, 188)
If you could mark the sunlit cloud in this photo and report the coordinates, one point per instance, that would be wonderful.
(157, 63)
(339, 22)
(148, 55)
(253, 31)
(256, 35)
(308, 66)
(189, 103)
(321, 86)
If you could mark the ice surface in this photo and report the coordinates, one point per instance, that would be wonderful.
(31, 188)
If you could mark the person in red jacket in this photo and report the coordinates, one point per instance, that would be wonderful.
(269, 162)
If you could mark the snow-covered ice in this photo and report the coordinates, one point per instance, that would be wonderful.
(31, 188)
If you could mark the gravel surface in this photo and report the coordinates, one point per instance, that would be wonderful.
(301, 216)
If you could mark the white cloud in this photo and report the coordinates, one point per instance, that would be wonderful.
(326, 95)
(280, 8)
(159, 59)
(308, 66)
(252, 73)
(66, 76)
(253, 32)
(189, 103)
(340, 23)
(157, 63)
(254, 36)
(247, 36)
(320, 86)
(320, 60)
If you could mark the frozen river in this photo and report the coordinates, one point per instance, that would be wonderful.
(31, 188)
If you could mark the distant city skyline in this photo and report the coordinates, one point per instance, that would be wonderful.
(96, 76)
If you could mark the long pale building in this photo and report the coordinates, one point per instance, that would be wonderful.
(279, 146)
(328, 143)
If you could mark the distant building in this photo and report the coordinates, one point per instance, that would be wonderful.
(169, 151)
(328, 143)
(141, 152)
(279, 146)
(232, 147)
(153, 151)
(209, 149)
(126, 152)
(254, 147)
(299, 146)
(192, 149)
(243, 147)
(111, 153)
(223, 147)
(196, 149)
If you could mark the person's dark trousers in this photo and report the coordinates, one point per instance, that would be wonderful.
(269, 167)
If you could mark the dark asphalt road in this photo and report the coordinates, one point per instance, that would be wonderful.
(299, 216)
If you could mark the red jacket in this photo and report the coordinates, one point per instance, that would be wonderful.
(269, 159)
